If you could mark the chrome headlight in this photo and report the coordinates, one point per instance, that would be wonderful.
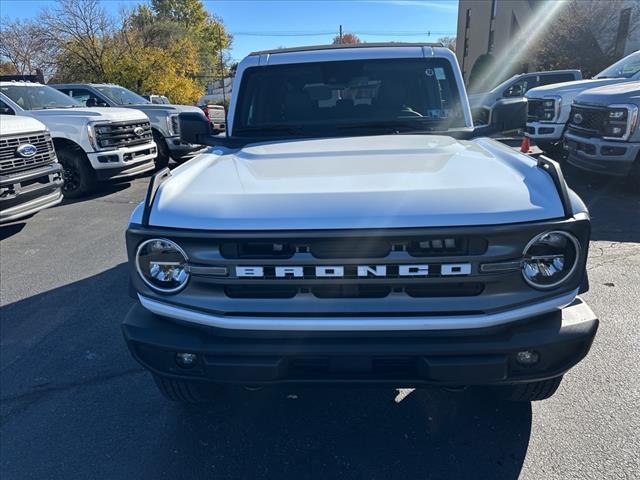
(162, 265)
(620, 122)
(551, 108)
(550, 258)
(173, 124)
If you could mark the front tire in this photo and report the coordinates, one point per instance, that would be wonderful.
(162, 160)
(530, 392)
(79, 177)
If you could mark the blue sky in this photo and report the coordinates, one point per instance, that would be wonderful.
(372, 20)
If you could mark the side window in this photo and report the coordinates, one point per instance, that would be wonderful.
(6, 109)
(87, 98)
(519, 88)
(556, 78)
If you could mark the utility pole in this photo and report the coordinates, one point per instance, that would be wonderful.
(340, 41)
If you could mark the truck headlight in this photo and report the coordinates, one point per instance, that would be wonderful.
(551, 108)
(173, 124)
(620, 121)
(95, 131)
(550, 258)
(162, 265)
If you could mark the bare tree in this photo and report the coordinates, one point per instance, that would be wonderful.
(23, 47)
(79, 30)
(449, 42)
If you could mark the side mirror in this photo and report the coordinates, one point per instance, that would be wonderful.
(196, 128)
(102, 104)
(509, 114)
(513, 91)
(91, 102)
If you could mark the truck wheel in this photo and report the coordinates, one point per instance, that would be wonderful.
(79, 177)
(162, 160)
(531, 392)
(181, 390)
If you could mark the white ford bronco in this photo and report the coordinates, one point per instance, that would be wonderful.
(30, 175)
(352, 226)
(93, 144)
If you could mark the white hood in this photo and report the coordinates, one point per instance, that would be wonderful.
(356, 182)
(571, 89)
(91, 114)
(18, 125)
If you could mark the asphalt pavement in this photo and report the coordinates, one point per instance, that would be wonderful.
(74, 404)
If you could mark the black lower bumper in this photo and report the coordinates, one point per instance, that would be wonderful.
(455, 357)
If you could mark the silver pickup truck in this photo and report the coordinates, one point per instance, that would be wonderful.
(352, 226)
(603, 134)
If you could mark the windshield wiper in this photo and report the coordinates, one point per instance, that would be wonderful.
(394, 127)
(288, 129)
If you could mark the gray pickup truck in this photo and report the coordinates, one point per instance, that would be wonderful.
(603, 135)
(164, 118)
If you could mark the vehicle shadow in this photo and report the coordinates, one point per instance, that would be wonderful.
(62, 352)
(614, 205)
(102, 189)
(11, 229)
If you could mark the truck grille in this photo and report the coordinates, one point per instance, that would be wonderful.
(534, 110)
(587, 121)
(123, 134)
(10, 161)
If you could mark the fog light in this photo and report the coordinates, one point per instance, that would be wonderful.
(527, 357)
(186, 360)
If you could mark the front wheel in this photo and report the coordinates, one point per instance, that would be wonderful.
(530, 392)
(79, 177)
(162, 160)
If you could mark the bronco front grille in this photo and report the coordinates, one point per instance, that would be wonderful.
(123, 134)
(587, 121)
(10, 161)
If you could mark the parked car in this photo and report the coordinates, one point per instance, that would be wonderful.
(30, 175)
(549, 106)
(324, 240)
(216, 115)
(158, 99)
(92, 144)
(603, 134)
(164, 118)
(516, 86)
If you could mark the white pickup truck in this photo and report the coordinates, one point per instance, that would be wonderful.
(92, 144)
(549, 106)
(30, 175)
(353, 226)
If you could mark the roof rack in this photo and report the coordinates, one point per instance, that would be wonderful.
(344, 45)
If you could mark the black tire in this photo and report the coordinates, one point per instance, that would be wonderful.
(79, 177)
(182, 391)
(162, 160)
(531, 392)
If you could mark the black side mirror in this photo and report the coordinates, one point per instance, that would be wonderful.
(196, 128)
(509, 114)
(91, 102)
(102, 104)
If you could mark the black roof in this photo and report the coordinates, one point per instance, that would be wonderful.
(345, 45)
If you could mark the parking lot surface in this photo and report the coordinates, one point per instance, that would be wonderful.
(74, 404)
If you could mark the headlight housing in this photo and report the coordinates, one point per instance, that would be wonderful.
(550, 259)
(620, 121)
(162, 265)
(551, 108)
(94, 130)
(173, 124)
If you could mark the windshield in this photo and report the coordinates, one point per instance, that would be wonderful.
(122, 96)
(625, 68)
(313, 99)
(38, 97)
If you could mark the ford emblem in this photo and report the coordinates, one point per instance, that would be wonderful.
(577, 118)
(139, 131)
(27, 150)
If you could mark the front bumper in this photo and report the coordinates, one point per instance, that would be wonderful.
(25, 193)
(550, 132)
(124, 162)
(602, 156)
(482, 356)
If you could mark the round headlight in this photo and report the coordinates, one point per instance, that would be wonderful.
(162, 264)
(550, 258)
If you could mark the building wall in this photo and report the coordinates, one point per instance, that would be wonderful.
(511, 14)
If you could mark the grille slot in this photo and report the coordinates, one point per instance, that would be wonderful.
(123, 134)
(534, 110)
(10, 161)
(591, 123)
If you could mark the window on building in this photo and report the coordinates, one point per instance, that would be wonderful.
(468, 20)
(623, 31)
(490, 45)
(494, 8)
(515, 26)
